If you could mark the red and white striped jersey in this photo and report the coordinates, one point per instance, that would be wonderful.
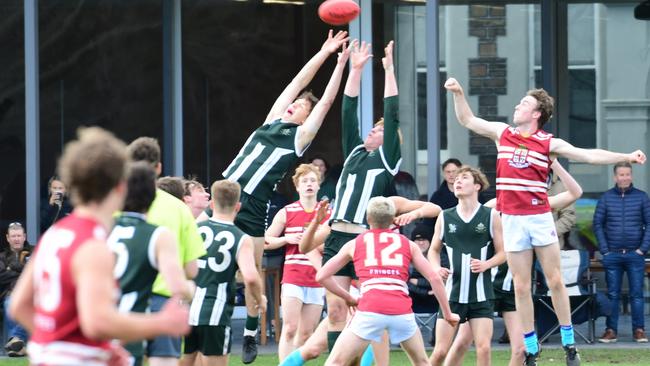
(57, 338)
(381, 261)
(298, 270)
(523, 165)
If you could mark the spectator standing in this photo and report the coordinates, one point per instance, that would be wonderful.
(58, 204)
(12, 261)
(621, 225)
(419, 286)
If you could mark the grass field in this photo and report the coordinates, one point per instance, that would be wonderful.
(590, 357)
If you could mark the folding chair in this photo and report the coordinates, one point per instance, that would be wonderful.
(582, 296)
(427, 324)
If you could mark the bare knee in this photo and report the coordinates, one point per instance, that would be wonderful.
(483, 349)
(554, 281)
(301, 338)
(289, 329)
(336, 311)
(438, 355)
(522, 288)
(309, 353)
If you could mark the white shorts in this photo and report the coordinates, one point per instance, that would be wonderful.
(523, 232)
(371, 326)
(308, 295)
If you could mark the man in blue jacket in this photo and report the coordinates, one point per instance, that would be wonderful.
(622, 227)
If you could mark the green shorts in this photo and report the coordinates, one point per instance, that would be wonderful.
(504, 301)
(251, 217)
(210, 340)
(335, 240)
(472, 310)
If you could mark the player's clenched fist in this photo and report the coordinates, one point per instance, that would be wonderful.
(453, 86)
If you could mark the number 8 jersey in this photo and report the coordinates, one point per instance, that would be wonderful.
(214, 299)
(381, 261)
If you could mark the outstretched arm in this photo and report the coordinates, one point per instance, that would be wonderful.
(391, 147)
(349, 119)
(593, 156)
(306, 74)
(573, 192)
(466, 117)
(308, 130)
(410, 210)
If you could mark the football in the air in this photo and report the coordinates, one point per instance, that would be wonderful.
(338, 12)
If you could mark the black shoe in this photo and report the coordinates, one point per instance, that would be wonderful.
(531, 359)
(249, 350)
(15, 344)
(572, 356)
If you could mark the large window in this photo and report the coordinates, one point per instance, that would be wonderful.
(12, 113)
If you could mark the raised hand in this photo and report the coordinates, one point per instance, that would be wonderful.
(360, 55)
(637, 157)
(345, 53)
(453, 86)
(387, 60)
(334, 42)
(321, 212)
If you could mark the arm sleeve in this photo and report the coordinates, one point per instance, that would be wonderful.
(350, 125)
(391, 148)
(599, 223)
(645, 209)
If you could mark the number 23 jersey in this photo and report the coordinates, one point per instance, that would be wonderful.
(214, 299)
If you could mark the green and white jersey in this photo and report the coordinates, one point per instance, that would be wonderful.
(265, 158)
(365, 174)
(465, 240)
(214, 299)
(133, 241)
(502, 279)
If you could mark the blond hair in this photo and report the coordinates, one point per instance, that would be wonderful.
(225, 195)
(381, 212)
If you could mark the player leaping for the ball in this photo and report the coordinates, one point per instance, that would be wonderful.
(525, 153)
(273, 148)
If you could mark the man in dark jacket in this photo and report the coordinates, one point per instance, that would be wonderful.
(621, 224)
(12, 262)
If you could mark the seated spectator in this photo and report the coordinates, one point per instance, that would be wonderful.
(172, 185)
(327, 179)
(419, 287)
(12, 261)
(57, 205)
(565, 217)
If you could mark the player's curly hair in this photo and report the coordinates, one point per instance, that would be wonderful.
(92, 165)
(303, 169)
(545, 104)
